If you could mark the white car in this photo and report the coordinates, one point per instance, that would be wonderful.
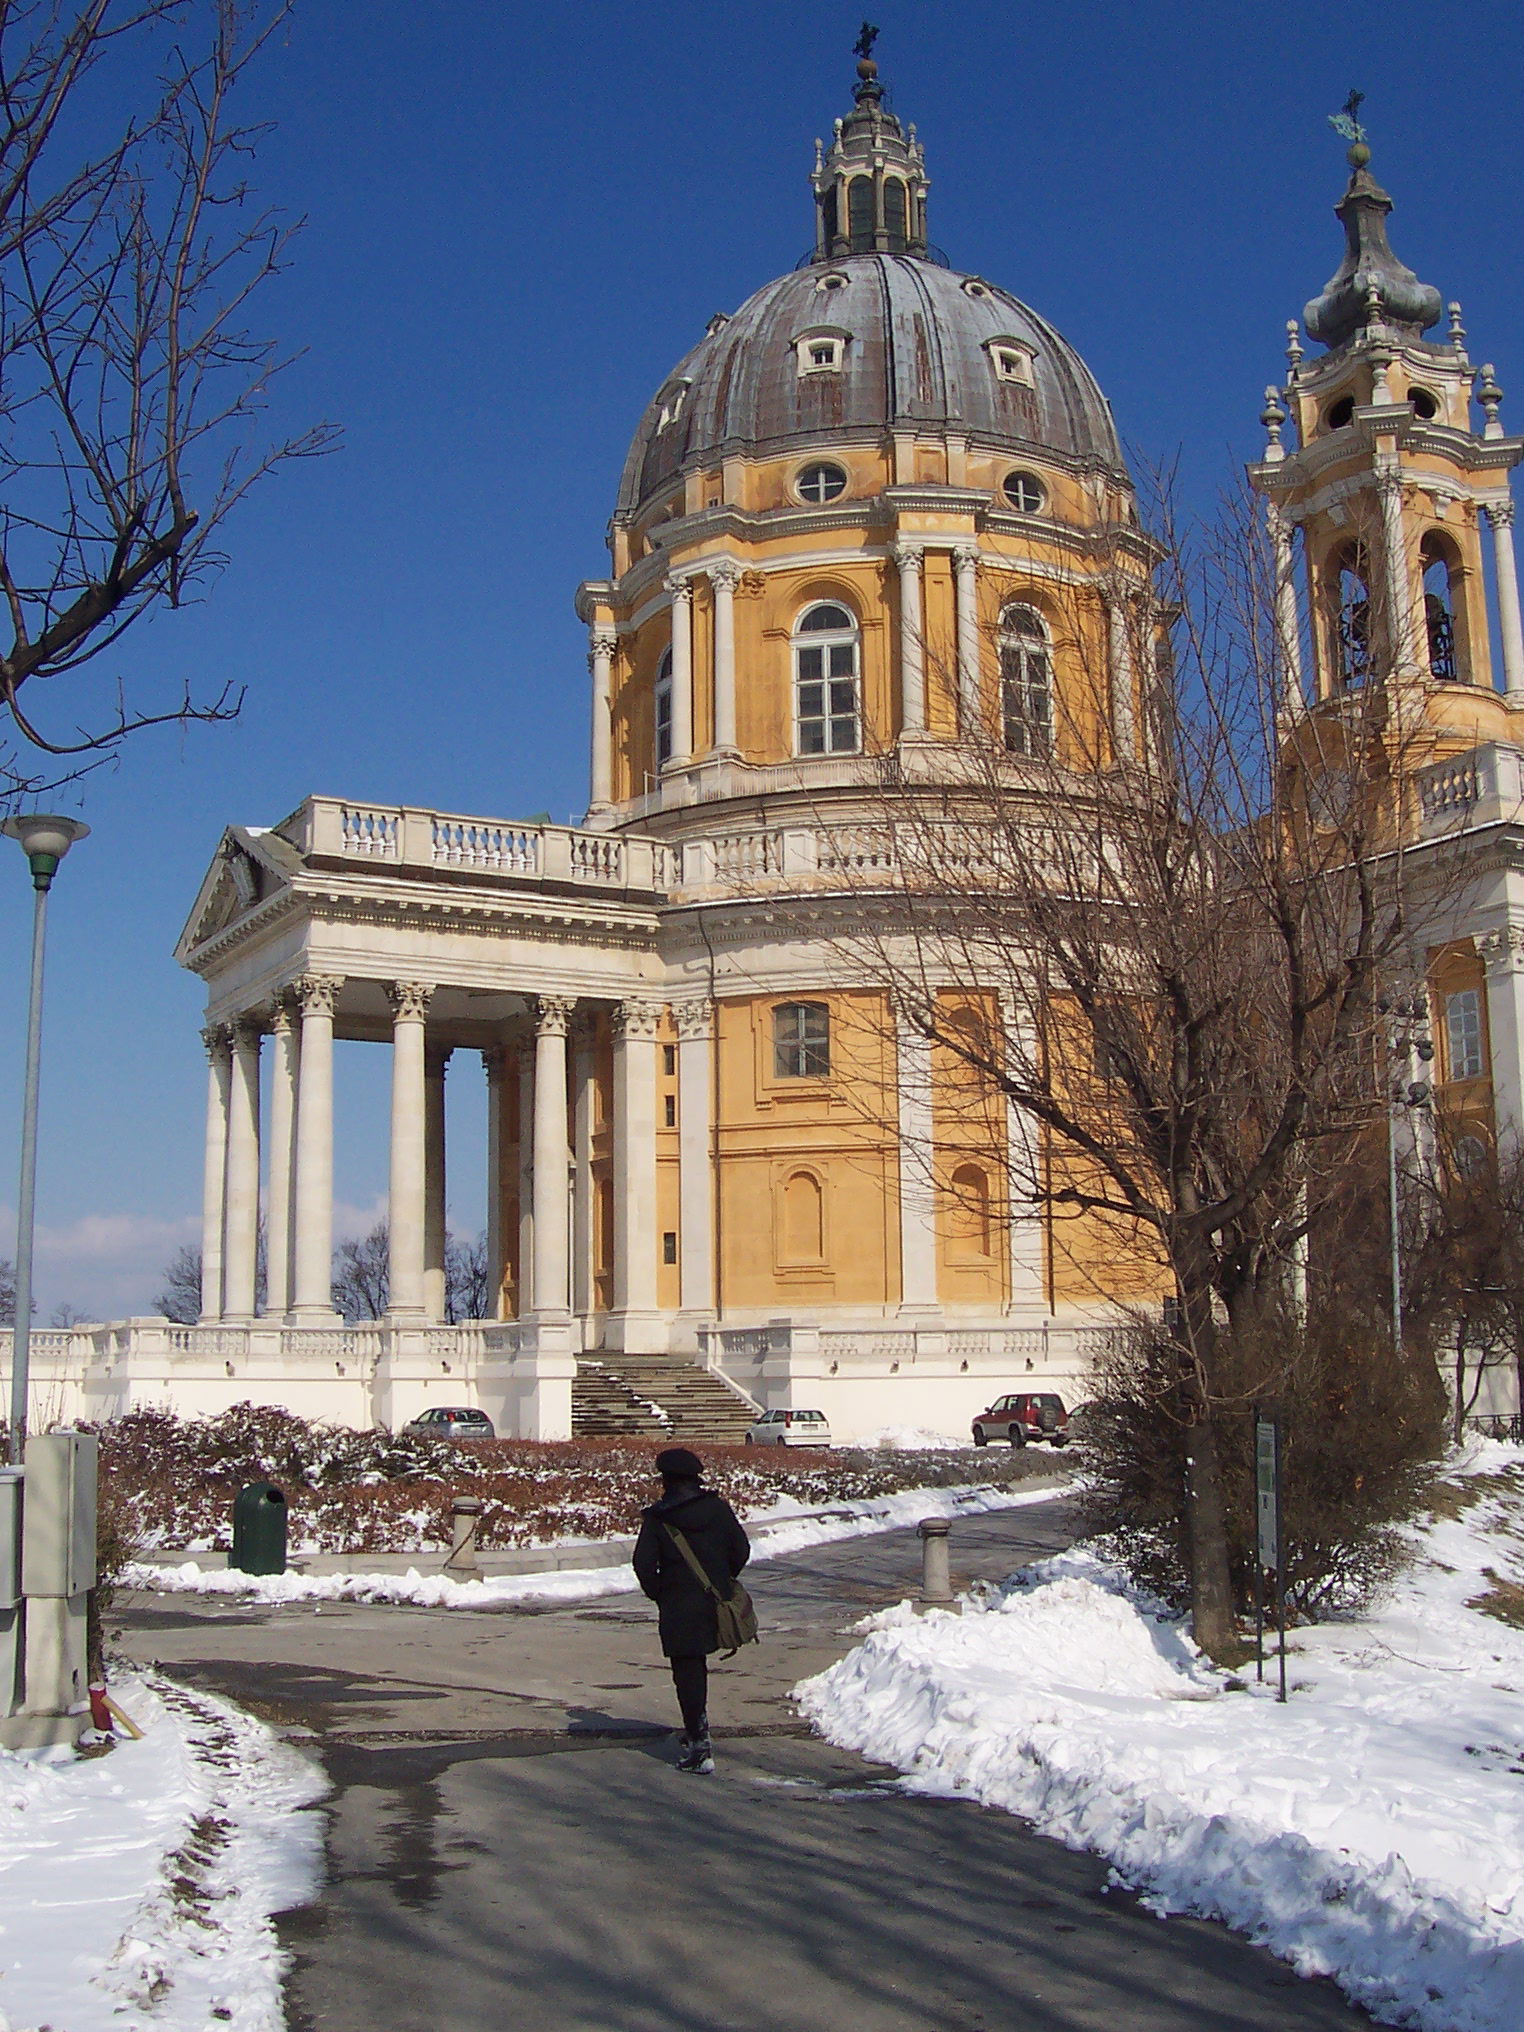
(790, 1428)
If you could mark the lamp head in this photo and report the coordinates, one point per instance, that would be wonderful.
(45, 839)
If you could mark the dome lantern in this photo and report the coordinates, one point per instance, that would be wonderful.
(870, 185)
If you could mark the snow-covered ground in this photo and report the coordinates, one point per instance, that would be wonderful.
(136, 1887)
(785, 1528)
(1372, 1829)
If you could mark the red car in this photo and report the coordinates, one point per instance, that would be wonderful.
(1024, 1415)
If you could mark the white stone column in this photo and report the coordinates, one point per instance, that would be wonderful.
(1503, 952)
(493, 1058)
(436, 1191)
(1399, 591)
(634, 1322)
(284, 1076)
(584, 1075)
(908, 558)
(1024, 1210)
(407, 1194)
(218, 1040)
(523, 1052)
(313, 1299)
(918, 1200)
(695, 1154)
(1124, 719)
(552, 1298)
(681, 592)
(725, 577)
(1500, 519)
(1288, 627)
(240, 1247)
(600, 663)
(970, 690)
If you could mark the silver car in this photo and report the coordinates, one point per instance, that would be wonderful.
(790, 1428)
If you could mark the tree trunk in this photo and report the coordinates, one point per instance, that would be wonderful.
(1207, 1532)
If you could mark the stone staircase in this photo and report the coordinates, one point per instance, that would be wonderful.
(657, 1397)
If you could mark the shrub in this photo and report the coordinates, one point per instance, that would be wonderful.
(1361, 1433)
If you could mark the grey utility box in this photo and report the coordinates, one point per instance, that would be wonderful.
(58, 1544)
(11, 1679)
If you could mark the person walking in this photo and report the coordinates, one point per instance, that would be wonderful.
(686, 1615)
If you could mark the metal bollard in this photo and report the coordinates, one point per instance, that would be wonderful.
(936, 1582)
(464, 1514)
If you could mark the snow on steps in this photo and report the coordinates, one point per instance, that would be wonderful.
(656, 1396)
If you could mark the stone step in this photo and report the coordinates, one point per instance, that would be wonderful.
(613, 1395)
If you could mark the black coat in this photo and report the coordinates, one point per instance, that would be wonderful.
(687, 1618)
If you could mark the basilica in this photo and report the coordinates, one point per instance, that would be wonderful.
(869, 513)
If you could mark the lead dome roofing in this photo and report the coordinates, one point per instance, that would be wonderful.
(916, 356)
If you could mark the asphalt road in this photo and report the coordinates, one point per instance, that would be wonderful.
(512, 1851)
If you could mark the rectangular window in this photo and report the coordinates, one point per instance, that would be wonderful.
(664, 723)
(671, 1106)
(801, 1041)
(1463, 1027)
(669, 1059)
(669, 1246)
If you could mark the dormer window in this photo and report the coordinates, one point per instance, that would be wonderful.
(822, 350)
(1011, 359)
(672, 398)
(835, 280)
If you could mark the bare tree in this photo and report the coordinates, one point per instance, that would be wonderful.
(179, 1298)
(362, 1274)
(1165, 951)
(131, 247)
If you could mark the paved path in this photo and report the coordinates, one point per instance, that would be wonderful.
(512, 1851)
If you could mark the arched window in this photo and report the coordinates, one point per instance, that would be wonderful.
(896, 214)
(860, 214)
(803, 1219)
(664, 710)
(1439, 613)
(801, 1040)
(1026, 682)
(968, 1226)
(827, 711)
(1470, 1159)
(1351, 602)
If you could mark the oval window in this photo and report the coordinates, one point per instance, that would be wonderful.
(821, 482)
(1423, 403)
(1024, 492)
(1340, 413)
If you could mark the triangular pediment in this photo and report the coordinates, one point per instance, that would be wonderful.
(242, 876)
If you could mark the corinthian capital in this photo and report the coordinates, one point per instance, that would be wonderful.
(908, 556)
(409, 1000)
(1499, 514)
(553, 1014)
(679, 589)
(966, 557)
(694, 1019)
(726, 573)
(602, 641)
(216, 1037)
(317, 993)
(637, 1018)
(1503, 950)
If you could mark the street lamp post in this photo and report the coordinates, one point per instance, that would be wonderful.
(44, 840)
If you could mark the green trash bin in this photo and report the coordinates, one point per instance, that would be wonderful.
(259, 1529)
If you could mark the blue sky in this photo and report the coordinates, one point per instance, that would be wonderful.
(518, 219)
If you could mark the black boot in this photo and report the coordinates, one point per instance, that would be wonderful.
(696, 1752)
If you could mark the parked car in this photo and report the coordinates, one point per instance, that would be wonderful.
(451, 1421)
(1025, 1415)
(790, 1428)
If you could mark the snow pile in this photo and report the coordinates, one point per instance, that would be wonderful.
(909, 1439)
(137, 1888)
(1372, 1829)
(785, 1528)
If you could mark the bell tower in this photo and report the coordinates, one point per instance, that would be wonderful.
(1398, 494)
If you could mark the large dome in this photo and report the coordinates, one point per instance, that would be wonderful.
(919, 352)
